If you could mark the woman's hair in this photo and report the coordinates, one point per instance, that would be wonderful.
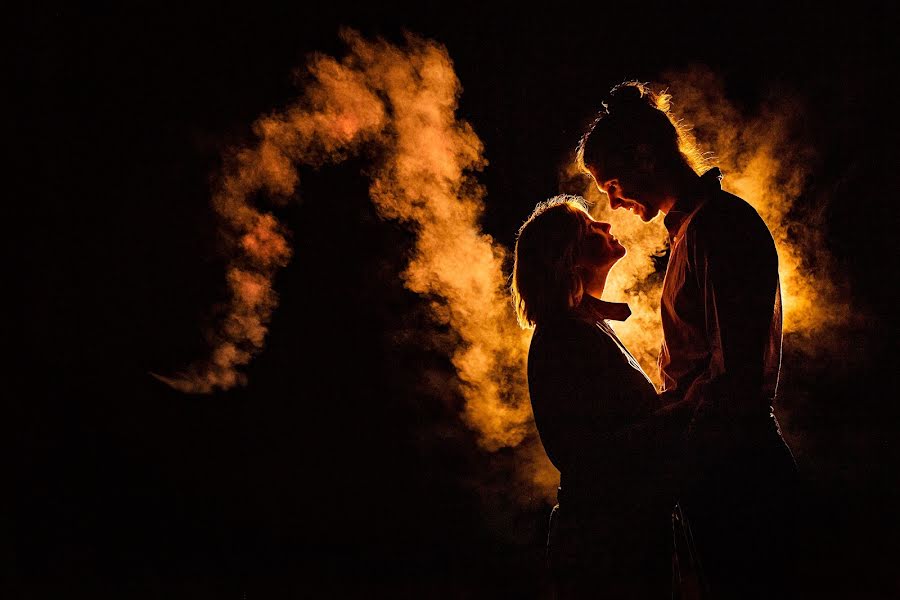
(636, 133)
(545, 281)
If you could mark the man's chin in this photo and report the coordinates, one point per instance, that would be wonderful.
(647, 215)
(640, 211)
(637, 211)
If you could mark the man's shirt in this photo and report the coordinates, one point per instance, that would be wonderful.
(721, 307)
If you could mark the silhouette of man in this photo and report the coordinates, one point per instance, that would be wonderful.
(721, 317)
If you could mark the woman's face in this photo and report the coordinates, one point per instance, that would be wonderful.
(599, 248)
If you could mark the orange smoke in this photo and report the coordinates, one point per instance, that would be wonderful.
(764, 164)
(402, 102)
(338, 112)
(634, 279)
(426, 180)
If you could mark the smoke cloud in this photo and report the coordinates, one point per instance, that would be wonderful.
(401, 102)
(766, 162)
(427, 181)
(337, 114)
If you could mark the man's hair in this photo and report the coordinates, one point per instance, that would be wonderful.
(545, 281)
(635, 133)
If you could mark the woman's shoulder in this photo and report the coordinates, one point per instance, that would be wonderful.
(568, 336)
(565, 327)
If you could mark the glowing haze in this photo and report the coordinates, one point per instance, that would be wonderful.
(401, 101)
(427, 181)
(764, 164)
(336, 114)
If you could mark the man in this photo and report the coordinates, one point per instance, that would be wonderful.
(721, 317)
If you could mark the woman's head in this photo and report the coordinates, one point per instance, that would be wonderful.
(560, 249)
(636, 151)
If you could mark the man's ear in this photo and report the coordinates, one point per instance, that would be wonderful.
(645, 159)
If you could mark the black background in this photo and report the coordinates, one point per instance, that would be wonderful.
(337, 471)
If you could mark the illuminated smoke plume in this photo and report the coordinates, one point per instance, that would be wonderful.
(763, 163)
(766, 163)
(336, 114)
(427, 181)
(634, 279)
(401, 101)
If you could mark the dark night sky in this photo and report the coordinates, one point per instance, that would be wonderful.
(335, 468)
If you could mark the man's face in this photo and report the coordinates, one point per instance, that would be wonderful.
(626, 197)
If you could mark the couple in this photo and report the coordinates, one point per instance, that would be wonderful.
(709, 441)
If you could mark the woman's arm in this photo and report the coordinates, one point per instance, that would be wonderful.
(591, 405)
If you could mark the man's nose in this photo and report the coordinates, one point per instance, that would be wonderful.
(614, 201)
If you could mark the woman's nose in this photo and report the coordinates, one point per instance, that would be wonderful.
(604, 226)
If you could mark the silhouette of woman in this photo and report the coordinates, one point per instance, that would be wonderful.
(597, 413)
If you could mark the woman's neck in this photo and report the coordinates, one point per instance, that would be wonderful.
(595, 285)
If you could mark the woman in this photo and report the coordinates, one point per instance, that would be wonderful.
(597, 413)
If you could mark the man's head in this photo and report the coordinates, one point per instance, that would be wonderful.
(635, 152)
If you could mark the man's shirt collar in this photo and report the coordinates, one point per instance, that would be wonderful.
(710, 182)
